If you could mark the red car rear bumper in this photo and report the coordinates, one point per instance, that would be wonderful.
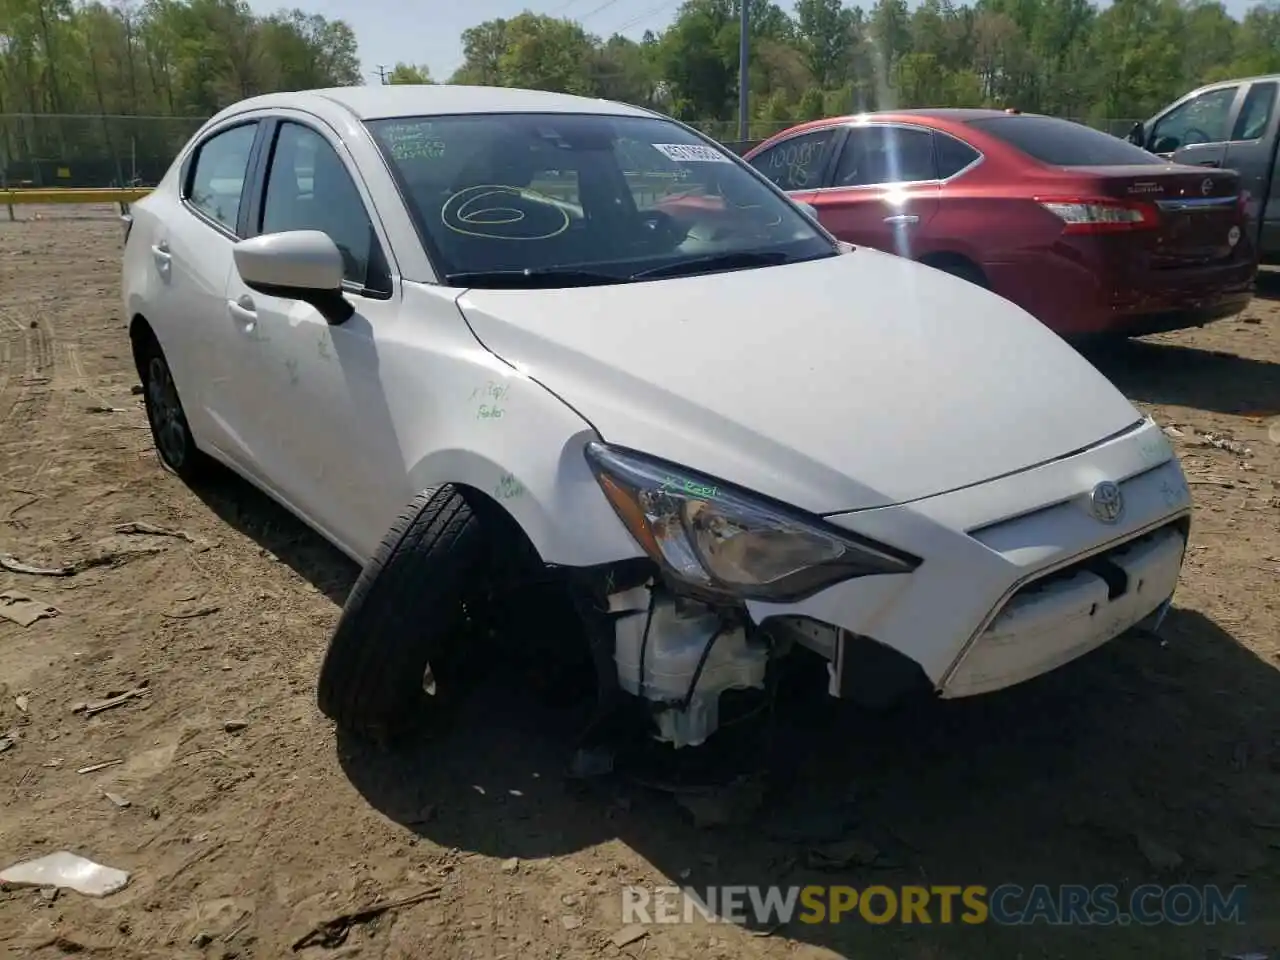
(1073, 299)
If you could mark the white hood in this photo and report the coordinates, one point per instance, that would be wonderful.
(856, 381)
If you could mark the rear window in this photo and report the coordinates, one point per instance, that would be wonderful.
(1063, 143)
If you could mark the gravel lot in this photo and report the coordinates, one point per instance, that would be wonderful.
(247, 825)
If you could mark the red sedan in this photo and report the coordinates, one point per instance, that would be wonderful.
(1085, 231)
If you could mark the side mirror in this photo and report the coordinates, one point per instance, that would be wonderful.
(302, 265)
(808, 208)
(1138, 134)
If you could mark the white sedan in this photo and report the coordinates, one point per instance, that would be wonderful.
(481, 338)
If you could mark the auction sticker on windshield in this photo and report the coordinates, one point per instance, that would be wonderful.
(691, 153)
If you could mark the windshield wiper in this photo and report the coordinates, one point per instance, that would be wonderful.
(739, 260)
(530, 279)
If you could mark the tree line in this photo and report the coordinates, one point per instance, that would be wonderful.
(63, 62)
(1065, 57)
(189, 58)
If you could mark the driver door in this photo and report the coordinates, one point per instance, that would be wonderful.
(323, 438)
(1196, 130)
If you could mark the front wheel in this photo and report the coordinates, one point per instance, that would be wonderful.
(396, 658)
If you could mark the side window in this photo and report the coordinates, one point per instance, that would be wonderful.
(217, 181)
(309, 188)
(797, 163)
(1255, 115)
(1202, 119)
(882, 154)
(952, 155)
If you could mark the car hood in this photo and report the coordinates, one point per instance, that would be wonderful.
(856, 381)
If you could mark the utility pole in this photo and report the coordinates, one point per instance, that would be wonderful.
(744, 56)
(381, 71)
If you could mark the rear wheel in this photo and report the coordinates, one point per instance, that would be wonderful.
(165, 415)
(398, 657)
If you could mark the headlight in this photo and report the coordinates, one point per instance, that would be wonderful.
(727, 541)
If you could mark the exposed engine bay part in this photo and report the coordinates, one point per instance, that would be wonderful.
(681, 655)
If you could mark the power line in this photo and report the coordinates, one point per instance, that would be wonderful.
(381, 73)
(644, 16)
(591, 13)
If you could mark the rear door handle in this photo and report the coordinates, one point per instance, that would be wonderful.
(903, 218)
(1207, 163)
(160, 254)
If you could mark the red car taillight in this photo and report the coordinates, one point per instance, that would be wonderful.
(1101, 214)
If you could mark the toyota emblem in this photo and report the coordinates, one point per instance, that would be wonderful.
(1207, 187)
(1107, 502)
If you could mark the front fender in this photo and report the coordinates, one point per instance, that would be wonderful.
(555, 500)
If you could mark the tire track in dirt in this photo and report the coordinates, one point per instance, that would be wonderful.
(68, 378)
(9, 362)
(30, 409)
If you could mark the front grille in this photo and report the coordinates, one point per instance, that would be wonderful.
(1100, 564)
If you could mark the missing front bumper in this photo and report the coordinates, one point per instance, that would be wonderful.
(1050, 623)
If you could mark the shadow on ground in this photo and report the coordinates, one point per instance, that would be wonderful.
(1092, 775)
(1269, 284)
(247, 509)
(1146, 762)
(1185, 376)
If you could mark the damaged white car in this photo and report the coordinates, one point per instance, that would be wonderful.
(495, 344)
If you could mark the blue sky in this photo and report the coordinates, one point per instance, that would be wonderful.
(388, 32)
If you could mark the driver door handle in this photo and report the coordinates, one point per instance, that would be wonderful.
(903, 218)
(1206, 163)
(243, 310)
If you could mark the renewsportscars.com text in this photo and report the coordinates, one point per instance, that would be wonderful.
(1006, 905)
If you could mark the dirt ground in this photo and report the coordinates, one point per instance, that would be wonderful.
(246, 824)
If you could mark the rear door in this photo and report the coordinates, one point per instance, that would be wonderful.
(1196, 129)
(884, 189)
(800, 164)
(1252, 149)
(193, 258)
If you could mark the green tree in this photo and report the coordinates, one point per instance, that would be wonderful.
(408, 73)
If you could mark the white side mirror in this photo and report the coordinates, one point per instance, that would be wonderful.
(300, 264)
(298, 261)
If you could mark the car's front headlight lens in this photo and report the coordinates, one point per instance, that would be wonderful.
(726, 541)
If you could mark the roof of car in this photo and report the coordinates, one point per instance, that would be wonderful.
(959, 114)
(947, 115)
(403, 100)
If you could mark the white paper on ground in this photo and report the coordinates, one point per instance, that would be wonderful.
(64, 869)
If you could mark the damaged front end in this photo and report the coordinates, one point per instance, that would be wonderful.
(679, 636)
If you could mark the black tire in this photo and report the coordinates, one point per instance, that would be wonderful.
(166, 416)
(407, 614)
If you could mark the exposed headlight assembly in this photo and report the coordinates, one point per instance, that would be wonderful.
(720, 540)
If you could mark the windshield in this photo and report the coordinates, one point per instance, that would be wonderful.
(568, 199)
(1062, 143)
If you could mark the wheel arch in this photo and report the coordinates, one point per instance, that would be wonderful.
(952, 261)
(557, 505)
(140, 334)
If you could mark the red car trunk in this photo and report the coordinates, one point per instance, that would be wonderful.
(1176, 220)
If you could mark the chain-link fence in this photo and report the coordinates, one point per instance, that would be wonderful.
(63, 150)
